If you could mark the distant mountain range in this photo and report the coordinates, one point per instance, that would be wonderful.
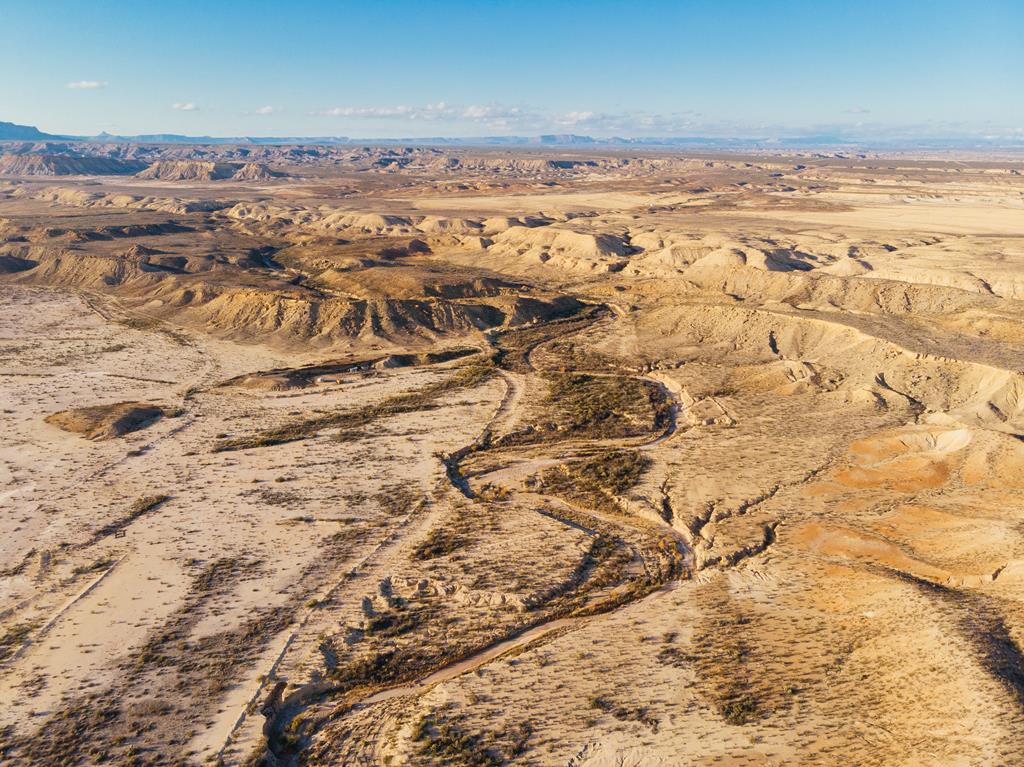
(14, 132)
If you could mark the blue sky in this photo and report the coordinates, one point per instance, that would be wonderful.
(375, 69)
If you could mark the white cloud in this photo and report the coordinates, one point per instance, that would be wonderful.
(267, 110)
(492, 112)
(576, 118)
(487, 114)
(634, 123)
(499, 117)
(187, 106)
(428, 112)
(858, 111)
(86, 85)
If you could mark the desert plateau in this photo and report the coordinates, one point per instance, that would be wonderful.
(362, 455)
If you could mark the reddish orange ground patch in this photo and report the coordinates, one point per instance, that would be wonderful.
(908, 474)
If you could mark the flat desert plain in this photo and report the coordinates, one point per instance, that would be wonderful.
(412, 456)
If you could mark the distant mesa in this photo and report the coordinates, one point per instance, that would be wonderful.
(564, 138)
(65, 165)
(15, 132)
(203, 170)
(188, 170)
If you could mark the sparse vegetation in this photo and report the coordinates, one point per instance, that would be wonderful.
(153, 325)
(94, 566)
(20, 567)
(568, 354)
(600, 407)
(448, 744)
(513, 346)
(742, 679)
(375, 668)
(624, 713)
(597, 481)
(394, 622)
(605, 406)
(99, 725)
(440, 542)
(398, 498)
(349, 421)
(13, 637)
(139, 507)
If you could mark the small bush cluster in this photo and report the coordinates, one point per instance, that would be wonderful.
(605, 407)
(595, 482)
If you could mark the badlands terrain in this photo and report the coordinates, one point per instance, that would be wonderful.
(362, 456)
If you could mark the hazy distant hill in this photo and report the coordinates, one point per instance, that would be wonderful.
(15, 132)
(175, 138)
